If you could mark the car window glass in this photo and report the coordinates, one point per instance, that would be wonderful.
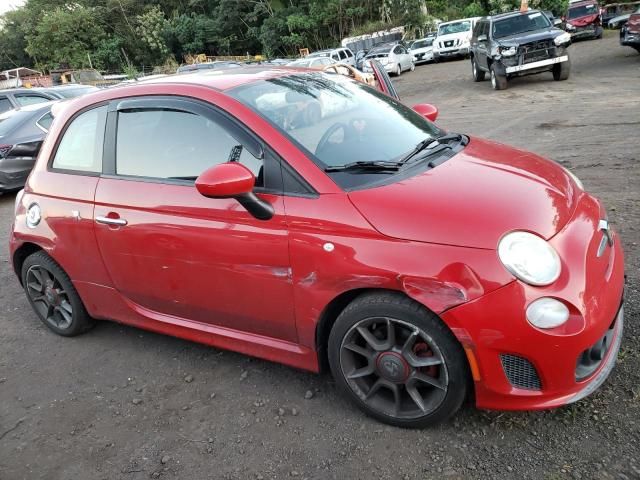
(349, 54)
(81, 145)
(343, 55)
(45, 121)
(5, 104)
(173, 144)
(24, 100)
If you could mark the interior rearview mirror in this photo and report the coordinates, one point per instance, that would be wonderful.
(427, 110)
(234, 180)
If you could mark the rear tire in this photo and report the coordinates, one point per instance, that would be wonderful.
(53, 296)
(561, 71)
(498, 82)
(478, 75)
(378, 351)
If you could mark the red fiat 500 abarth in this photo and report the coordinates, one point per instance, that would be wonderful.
(305, 218)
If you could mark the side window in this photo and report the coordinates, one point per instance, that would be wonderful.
(349, 53)
(28, 99)
(173, 144)
(81, 145)
(5, 105)
(343, 55)
(45, 122)
(335, 56)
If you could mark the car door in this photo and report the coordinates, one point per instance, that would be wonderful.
(170, 250)
(482, 49)
(383, 81)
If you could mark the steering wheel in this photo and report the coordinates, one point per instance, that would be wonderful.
(327, 135)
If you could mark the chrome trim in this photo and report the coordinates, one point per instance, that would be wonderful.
(541, 63)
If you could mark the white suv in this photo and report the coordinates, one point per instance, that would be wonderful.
(453, 39)
(340, 55)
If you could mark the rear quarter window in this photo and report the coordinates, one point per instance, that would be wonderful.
(80, 148)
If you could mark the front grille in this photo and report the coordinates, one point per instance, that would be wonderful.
(536, 51)
(520, 372)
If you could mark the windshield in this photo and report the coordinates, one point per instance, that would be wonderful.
(457, 27)
(582, 11)
(13, 121)
(520, 24)
(337, 121)
(422, 44)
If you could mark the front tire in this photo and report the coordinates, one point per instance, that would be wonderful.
(413, 66)
(498, 82)
(53, 296)
(398, 70)
(397, 361)
(561, 71)
(478, 75)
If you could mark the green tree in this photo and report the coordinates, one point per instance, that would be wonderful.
(68, 35)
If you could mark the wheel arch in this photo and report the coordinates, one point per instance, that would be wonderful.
(334, 308)
(20, 255)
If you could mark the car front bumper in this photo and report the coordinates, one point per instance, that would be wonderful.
(423, 57)
(630, 40)
(13, 174)
(521, 367)
(589, 31)
(540, 64)
(451, 52)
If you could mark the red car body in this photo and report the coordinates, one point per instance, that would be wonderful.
(630, 33)
(280, 283)
(584, 20)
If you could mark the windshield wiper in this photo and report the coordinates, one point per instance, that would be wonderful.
(374, 165)
(434, 145)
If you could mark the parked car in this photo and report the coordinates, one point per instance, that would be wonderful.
(453, 38)
(216, 65)
(422, 50)
(630, 33)
(516, 44)
(583, 20)
(556, 22)
(16, 98)
(393, 57)
(360, 55)
(201, 215)
(340, 55)
(318, 63)
(70, 90)
(615, 15)
(21, 135)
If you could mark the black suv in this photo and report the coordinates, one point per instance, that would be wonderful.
(518, 43)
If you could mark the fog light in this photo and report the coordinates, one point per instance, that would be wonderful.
(547, 313)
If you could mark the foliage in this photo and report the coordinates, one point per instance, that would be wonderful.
(112, 34)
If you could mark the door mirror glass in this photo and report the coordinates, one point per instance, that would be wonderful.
(227, 180)
(428, 111)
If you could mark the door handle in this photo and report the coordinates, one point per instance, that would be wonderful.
(120, 222)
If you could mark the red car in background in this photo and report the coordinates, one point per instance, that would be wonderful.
(584, 20)
(630, 33)
(422, 266)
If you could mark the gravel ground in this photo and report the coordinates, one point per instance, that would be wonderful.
(120, 403)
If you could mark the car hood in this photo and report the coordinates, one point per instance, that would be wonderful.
(473, 199)
(528, 37)
(453, 36)
(582, 21)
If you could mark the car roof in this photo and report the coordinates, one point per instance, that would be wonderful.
(24, 90)
(226, 79)
(458, 21)
(582, 3)
(514, 13)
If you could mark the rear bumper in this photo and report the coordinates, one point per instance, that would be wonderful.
(494, 327)
(630, 40)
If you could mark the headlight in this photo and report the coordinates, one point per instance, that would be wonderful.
(562, 39)
(547, 313)
(575, 179)
(383, 61)
(529, 258)
(508, 51)
(570, 27)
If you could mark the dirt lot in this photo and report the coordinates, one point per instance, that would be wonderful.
(120, 403)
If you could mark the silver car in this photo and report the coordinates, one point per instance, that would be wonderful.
(394, 58)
